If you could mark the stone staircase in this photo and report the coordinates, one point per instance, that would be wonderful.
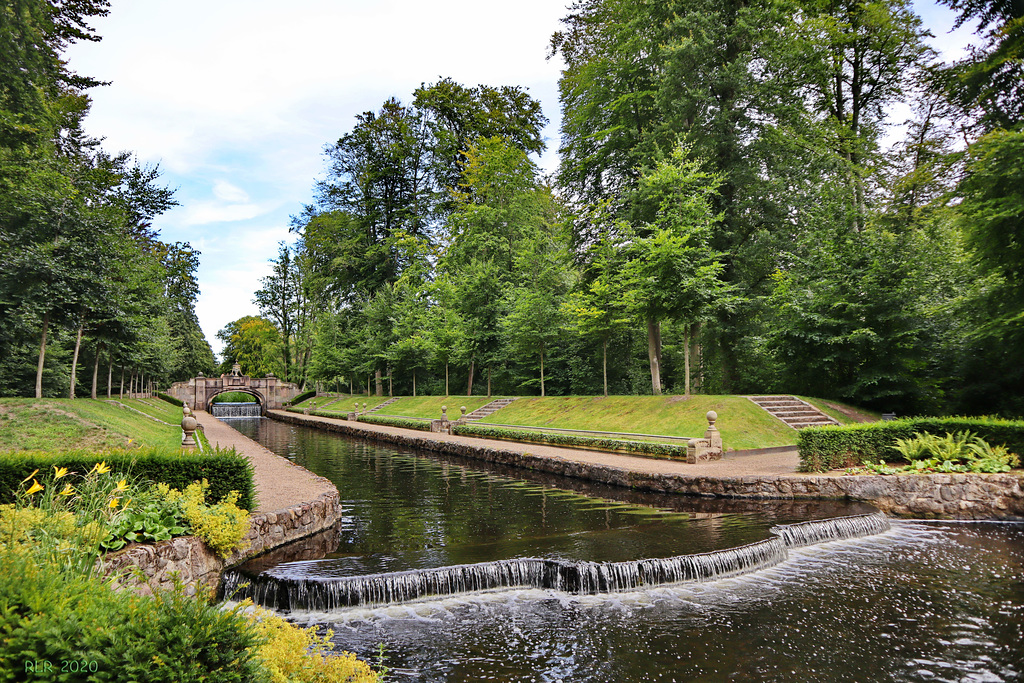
(483, 411)
(794, 412)
(381, 405)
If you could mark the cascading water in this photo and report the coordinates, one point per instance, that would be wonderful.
(577, 577)
(250, 409)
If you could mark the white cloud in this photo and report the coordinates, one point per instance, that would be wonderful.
(226, 192)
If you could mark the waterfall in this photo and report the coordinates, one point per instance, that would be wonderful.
(236, 409)
(835, 529)
(570, 577)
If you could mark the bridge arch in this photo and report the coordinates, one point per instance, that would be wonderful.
(260, 398)
(271, 392)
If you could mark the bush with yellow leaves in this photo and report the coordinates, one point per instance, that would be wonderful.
(222, 526)
(294, 655)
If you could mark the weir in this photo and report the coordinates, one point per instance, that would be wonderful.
(333, 593)
(249, 409)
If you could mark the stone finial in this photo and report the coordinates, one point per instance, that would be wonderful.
(463, 409)
(188, 427)
(364, 406)
(444, 412)
(712, 416)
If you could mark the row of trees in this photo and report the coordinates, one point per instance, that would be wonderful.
(727, 214)
(83, 276)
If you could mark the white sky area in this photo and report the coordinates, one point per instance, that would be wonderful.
(236, 99)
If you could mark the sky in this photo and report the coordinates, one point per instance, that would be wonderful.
(236, 99)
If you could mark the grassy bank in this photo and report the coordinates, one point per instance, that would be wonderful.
(743, 424)
(82, 423)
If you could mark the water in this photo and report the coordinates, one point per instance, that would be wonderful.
(921, 602)
(236, 410)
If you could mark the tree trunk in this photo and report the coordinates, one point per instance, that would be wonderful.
(469, 385)
(542, 372)
(446, 379)
(604, 365)
(42, 356)
(96, 370)
(391, 386)
(654, 354)
(686, 359)
(414, 384)
(379, 382)
(110, 373)
(121, 395)
(74, 360)
(488, 381)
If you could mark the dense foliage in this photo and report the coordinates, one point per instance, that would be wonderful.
(84, 281)
(735, 211)
(830, 448)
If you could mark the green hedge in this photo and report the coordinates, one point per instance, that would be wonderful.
(829, 448)
(662, 450)
(302, 397)
(403, 422)
(226, 470)
(327, 413)
(168, 398)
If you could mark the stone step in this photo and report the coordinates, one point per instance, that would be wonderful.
(488, 409)
(381, 405)
(792, 411)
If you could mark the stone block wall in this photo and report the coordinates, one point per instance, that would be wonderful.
(154, 566)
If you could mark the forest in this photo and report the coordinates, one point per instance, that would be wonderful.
(88, 293)
(752, 196)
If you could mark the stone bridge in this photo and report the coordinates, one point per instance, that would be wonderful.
(200, 391)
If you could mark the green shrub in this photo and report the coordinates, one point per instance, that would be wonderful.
(662, 450)
(226, 470)
(302, 397)
(828, 448)
(403, 422)
(221, 525)
(77, 623)
(328, 413)
(170, 399)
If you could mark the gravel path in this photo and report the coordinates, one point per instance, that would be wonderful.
(280, 483)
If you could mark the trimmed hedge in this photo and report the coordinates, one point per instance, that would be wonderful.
(388, 421)
(226, 470)
(830, 448)
(661, 450)
(170, 399)
(327, 413)
(302, 397)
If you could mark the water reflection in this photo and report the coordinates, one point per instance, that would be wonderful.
(925, 602)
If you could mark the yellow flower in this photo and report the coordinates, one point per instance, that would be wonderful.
(25, 480)
(36, 486)
(69, 490)
(113, 502)
(121, 486)
(100, 468)
(58, 473)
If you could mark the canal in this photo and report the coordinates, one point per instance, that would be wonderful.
(924, 601)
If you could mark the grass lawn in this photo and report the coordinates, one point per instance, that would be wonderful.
(743, 424)
(430, 406)
(345, 405)
(83, 423)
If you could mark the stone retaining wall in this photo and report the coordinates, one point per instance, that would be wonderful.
(152, 566)
(961, 496)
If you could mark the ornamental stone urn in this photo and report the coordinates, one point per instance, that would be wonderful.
(188, 427)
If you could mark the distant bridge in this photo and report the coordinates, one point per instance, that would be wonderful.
(199, 392)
